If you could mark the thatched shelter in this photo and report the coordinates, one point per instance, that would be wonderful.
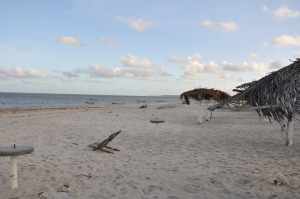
(200, 94)
(276, 96)
(241, 88)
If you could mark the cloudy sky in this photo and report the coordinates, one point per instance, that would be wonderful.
(137, 47)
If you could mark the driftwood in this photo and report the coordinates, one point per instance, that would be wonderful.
(143, 106)
(102, 146)
(157, 121)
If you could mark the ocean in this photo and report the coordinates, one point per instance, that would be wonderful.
(30, 100)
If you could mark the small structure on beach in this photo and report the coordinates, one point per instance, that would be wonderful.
(13, 152)
(276, 96)
(200, 94)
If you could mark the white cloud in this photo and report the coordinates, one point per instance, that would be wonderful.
(227, 26)
(22, 73)
(257, 67)
(138, 24)
(69, 40)
(134, 61)
(132, 67)
(275, 65)
(287, 40)
(101, 71)
(286, 12)
(228, 66)
(193, 66)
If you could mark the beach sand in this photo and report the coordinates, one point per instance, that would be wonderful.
(232, 156)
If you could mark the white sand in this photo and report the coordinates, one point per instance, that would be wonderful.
(233, 156)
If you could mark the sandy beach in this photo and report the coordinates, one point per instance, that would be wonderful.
(232, 156)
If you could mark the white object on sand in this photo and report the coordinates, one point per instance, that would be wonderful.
(13, 152)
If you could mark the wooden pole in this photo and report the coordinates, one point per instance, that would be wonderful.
(14, 172)
(290, 132)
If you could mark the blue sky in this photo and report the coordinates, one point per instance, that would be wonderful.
(143, 47)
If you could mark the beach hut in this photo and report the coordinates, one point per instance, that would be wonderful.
(200, 94)
(276, 96)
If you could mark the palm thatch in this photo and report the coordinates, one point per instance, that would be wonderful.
(278, 93)
(241, 88)
(200, 94)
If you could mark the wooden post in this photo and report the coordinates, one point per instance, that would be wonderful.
(290, 132)
(14, 172)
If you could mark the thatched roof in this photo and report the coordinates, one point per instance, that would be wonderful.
(241, 88)
(278, 90)
(204, 94)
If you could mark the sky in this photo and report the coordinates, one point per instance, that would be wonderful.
(139, 47)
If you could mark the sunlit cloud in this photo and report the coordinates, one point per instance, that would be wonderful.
(131, 67)
(69, 40)
(259, 68)
(226, 26)
(137, 62)
(285, 12)
(22, 73)
(194, 66)
(287, 41)
(137, 24)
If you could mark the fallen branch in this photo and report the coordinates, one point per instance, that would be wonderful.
(157, 121)
(143, 106)
(102, 146)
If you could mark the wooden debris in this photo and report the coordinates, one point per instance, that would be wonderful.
(143, 106)
(157, 121)
(102, 146)
(64, 188)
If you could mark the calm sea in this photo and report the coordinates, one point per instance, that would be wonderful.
(28, 100)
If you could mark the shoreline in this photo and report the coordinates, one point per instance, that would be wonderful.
(36, 109)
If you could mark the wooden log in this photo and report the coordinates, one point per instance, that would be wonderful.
(157, 121)
(102, 146)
